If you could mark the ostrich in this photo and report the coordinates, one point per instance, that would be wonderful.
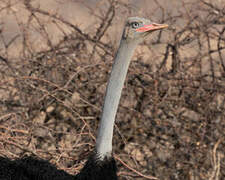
(101, 164)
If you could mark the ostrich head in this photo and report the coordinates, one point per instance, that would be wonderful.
(136, 29)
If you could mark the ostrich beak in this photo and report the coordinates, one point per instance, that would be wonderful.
(151, 27)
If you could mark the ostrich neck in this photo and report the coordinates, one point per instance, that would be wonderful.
(112, 97)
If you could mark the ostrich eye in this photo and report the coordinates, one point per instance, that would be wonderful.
(135, 25)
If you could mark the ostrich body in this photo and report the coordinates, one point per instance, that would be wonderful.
(101, 164)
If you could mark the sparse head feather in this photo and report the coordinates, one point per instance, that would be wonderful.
(139, 20)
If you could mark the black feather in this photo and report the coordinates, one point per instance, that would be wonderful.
(32, 168)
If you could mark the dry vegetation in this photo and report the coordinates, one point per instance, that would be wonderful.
(171, 120)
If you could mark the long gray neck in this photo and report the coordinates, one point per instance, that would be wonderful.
(112, 97)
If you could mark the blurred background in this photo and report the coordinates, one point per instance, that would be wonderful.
(55, 60)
